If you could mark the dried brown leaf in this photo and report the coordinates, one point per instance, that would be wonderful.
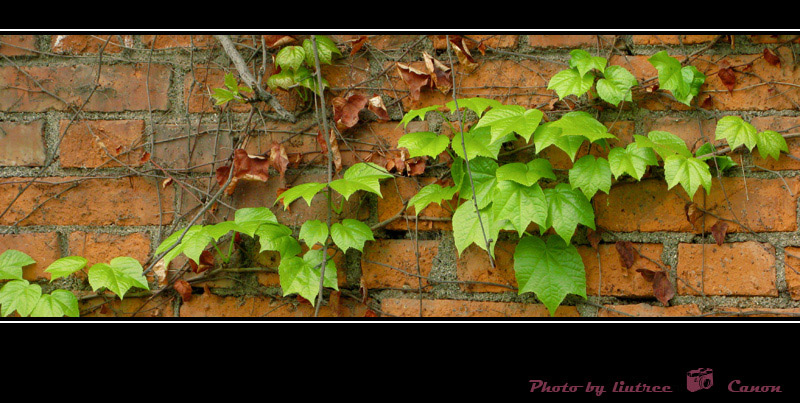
(377, 107)
(274, 41)
(662, 288)
(345, 110)
(692, 212)
(278, 158)
(357, 44)
(594, 237)
(627, 253)
(335, 303)
(771, 57)
(184, 289)
(648, 275)
(414, 79)
(728, 78)
(245, 167)
(718, 231)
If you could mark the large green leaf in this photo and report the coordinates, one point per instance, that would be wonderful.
(314, 232)
(467, 227)
(580, 123)
(20, 296)
(418, 113)
(290, 57)
(277, 237)
(65, 266)
(737, 132)
(484, 178)
(547, 134)
(120, 275)
(302, 275)
(567, 207)
(351, 234)
(683, 82)
(664, 143)
(424, 143)
(520, 205)
(689, 172)
(284, 79)
(56, 304)
(632, 160)
(477, 104)
(326, 48)
(361, 176)
(526, 174)
(11, 264)
(249, 219)
(508, 119)
(433, 193)
(771, 143)
(551, 270)
(478, 142)
(584, 61)
(307, 191)
(217, 231)
(570, 82)
(590, 174)
(616, 86)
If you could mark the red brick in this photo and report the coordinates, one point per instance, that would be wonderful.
(473, 265)
(392, 203)
(89, 44)
(457, 308)
(123, 87)
(398, 253)
(346, 73)
(792, 269)
(773, 38)
(200, 83)
(43, 248)
(492, 41)
(648, 206)
(143, 307)
(392, 42)
(756, 312)
(782, 124)
(733, 269)
(92, 143)
(672, 39)
(18, 45)
(569, 41)
(182, 146)
(617, 280)
(210, 305)
(177, 41)
(645, 310)
(99, 247)
(22, 144)
(128, 201)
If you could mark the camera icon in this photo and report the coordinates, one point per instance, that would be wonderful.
(701, 378)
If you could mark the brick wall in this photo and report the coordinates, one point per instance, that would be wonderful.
(75, 123)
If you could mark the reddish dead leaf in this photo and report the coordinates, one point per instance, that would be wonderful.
(377, 107)
(594, 237)
(246, 167)
(440, 74)
(184, 289)
(295, 160)
(337, 156)
(627, 253)
(662, 288)
(718, 231)
(728, 78)
(362, 288)
(482, 48)
(708, 103)
(274, 41)
(335, 302)
(357, 44)
(278, 158)
(168, 182)
(416, 166)
(345, 110)
(237, 238)
(105, 310)
(648, 275)
(370, 314)
(449, 182)
(322, 143)
(462, 52)
(692, 212)
(303, 300)
(771, 57)
(414, 79)
(145, 157)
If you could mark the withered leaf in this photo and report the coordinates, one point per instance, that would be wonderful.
(345, 110)
(145, 157)
(184, 289)
(594, 237)
(708, 103)
(414, 79)
(357, 44)
(728, 78)
(692, 212)
(273, 41)
(245, 167)
(771, 57)
(377, 107)
(627, 253)
(662, 288)
(168, 182)
(278, 158)
(440, 74)
(648, 275)
(370, 314)
(335, 302)
(416, 166)
(362, 288)
(718, 231)
(462, 52)
(337, 156)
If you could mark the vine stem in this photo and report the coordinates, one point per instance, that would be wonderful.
(466, 159)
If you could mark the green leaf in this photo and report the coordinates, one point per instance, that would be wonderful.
(65, 266)
(351, 234)
(616, 86)
(69, 302)
(582, 124)
(478, 143)
(695, 80)
(584, 62)
(737, 132)
(11, 264)
(56, 304)
(417, 113)
(477, 104)
(307, 79)
(217, 231)
(193, 231)
(314, 232)
(520, 205)
(122, 274)
(249, 219)
(663, 143)
(290, 57)
(484, 177)
(591, 174)
(567, 207)
(222, 96)
(20, 296)
(722, 162)
(526, 174)
(507, 119)
(683, 82)
(632, 160)
(570, 81)
(424, 143)
(689, 172)
(432, 193)
(279, 238)
(284, 79)
(307, 191)
(551, 270)
(467, 227)
(230, 82)
(771, 143)
(361, 176)
(326, 48)
(302, 275)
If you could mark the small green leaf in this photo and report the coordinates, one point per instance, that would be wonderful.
(51, 307)
(432, 193)
(222, 96)
(249, 219)
(65, 266)
(302, 275)
(277, 237)
(582, 124)
(477, 105)
(584, 62)
(569, 82)
(326, 48)
(507, 119)
(737, 132)
(551, 270)
(683, 82)
(632, 160)
(290, 57)
(590, 174)
(484, 178)
(616, 86)
(417, 113)
(567, 207)
(11, 264)
(771, 143)
(230, 82)
(351, 234)
(20, 296)
(361, 176)
(467, 227)
(520, 205)
(526, 174)
(424, 143)
(284, 79)
(122, 274)
(314, 232)
(217, 231)
(307, 191)
(478, 143)
(689, 172)
(663, 143)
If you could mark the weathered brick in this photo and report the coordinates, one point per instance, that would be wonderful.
(142, 307)
(671, 39)
(733, 269)
(458, 308)
(610, 277)
(202, 81)
(128, 201)
(755, 312)
(123, 87)
(177, 41)
(392, 42)
(346, 72)
(43, 248)
(569, 41)
(773, 38)
(89, 44)
(93, 143)
(210, 305)
(195, 147)
(398, 253)
(22, 144)
(18, 45)
(473, 265)
(781, 124)
(98, 247)
(648, 206)
(646, 310)
(792, 269)
(492, 41)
